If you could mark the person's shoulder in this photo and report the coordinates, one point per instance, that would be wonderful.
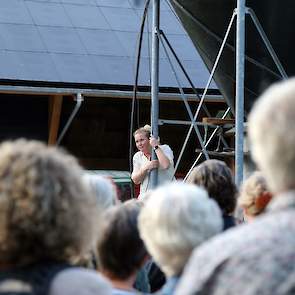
(79, 281)
(137, 155)
(165, 146)
(232, 255)
(166, 149)
(239, 238)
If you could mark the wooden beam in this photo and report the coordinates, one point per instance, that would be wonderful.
(54, 112)
(217, 121)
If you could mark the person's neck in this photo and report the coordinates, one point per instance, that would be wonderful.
(148, 153)
(123, 284)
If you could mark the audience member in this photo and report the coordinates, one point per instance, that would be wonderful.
(257, 257)
(216, 177)
(104, 190)
(254, 196)
(120, 249)
(175, 219)
(48, 219)
(106, 197)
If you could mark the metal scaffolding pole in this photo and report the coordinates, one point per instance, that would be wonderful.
(155, 83)
(240, 77)
(79, 101)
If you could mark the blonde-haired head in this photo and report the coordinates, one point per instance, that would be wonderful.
(255, 194)
(146, 130)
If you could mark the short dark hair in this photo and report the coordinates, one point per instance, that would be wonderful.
(216, 177)
(120, 248)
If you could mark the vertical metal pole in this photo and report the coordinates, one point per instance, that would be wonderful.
(240, 76)
(155, 84)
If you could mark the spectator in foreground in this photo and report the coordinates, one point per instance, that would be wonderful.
(121, 251)
(216, 178)
(254, 196)
(48, 219)
(258, 257)
(175, 219)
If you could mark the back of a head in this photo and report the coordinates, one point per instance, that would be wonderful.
(272, 139)
(46, 211)
(255, 194)
(103, 189)
(216, 177)
(175, 219)
(121, 251)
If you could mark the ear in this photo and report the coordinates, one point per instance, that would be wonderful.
(262, 200)
(145, 259)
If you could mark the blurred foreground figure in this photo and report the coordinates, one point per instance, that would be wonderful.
(121, 251)
(176, 218)
(254, 196)
(48, 219)
(258, 257)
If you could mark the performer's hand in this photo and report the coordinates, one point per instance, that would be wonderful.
(154, 142)
(152, 165)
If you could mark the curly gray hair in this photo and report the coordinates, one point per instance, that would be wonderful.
(46, 211)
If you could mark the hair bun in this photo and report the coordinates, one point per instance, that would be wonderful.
(147, 128)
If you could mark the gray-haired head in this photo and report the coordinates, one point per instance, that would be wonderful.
(271, 124)
(176, 218)
(46, 211)
(103, 189)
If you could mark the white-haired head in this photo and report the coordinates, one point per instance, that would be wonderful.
(271, 124)
(103, 189)
(176, 218)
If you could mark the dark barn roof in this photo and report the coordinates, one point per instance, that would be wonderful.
(87, 41)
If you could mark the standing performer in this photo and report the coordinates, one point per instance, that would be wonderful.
(142, 163)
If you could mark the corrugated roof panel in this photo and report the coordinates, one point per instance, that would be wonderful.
(166, 76)
(122, 19)
(89, 17)
(120, 70)
(48, 14)
(183, 47)
(145, 72)
(197, 72)
(141, 4)
(9, 67)
(24, 37)
(83, 2)
(87, 41)
(14, 12)
(130, 39)
(114, 3)
(76, 68)
(51, 1)
(62, 40)
(170, 24)
(101, 42)
(35, 66)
